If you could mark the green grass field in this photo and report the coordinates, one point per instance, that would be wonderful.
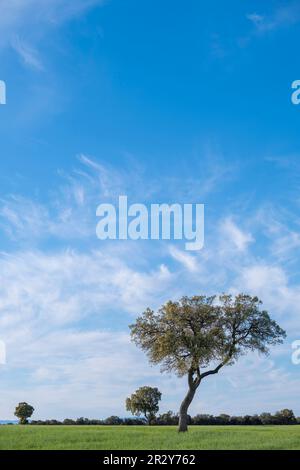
(150, 438)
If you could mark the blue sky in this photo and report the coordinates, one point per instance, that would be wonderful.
(163, 101)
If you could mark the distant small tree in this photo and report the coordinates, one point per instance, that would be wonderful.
(69, 422)
(255, 420)
(167, 419)
(285, 417)
(144, 401)
(223, 419)
(23, 412)
(267, 418)
(203, 419)
(203, 332)
(113, 421)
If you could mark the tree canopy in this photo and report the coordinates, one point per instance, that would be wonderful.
(144, 401)
(23, 411)
(197, 336)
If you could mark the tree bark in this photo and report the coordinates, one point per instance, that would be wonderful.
(183, 412)
(193, 385)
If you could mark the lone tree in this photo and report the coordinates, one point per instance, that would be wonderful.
(203, 332)
(24, 411)
(144, 401)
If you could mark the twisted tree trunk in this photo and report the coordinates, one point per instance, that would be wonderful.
(193, 385)
(183, 412)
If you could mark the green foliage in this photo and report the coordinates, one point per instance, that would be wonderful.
(144, 401)
(285, 417)
(190, 334)
(113, 421)
(197, 332)
(23, 411)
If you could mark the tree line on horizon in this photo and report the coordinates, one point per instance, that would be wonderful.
(283, 417)
(145, 402)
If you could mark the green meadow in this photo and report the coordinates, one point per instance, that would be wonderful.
(149, 438)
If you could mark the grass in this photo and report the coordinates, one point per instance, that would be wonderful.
(150, 438)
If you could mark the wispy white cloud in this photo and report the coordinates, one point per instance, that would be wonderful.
(16, 14)
(27, 54)
(264, 22)
(272, 284)
(256, 19)
(32, 19)
(69, 212)
(47, 302)
(282, 16)
(26, 219)
(64, 312)
(63, 287)
(236, 236)
(187, 260)
(74, 373)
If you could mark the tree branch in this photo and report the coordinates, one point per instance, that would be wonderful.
(213, 371)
